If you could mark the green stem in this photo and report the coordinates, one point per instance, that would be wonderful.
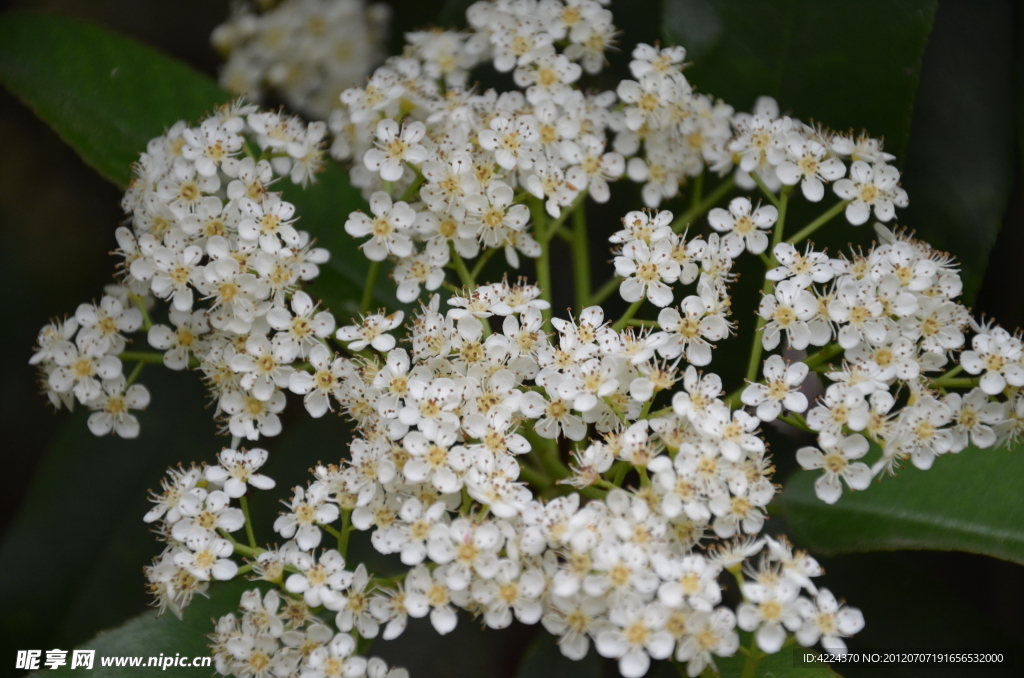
(774, 199)
(481, 262)
(534, 478)
(953, 372)
(140, 303)
(615, 408)
(460, 267)
(606, 290)
(956, 382)
(410, 192)
(346, 530)
(134, 375)
(371, 281)
(753, 659)
(249, 533)
(555, 225)
(712, 199)
(825, 217)
(698, 190)
(796, 420)
(621, 468)
(630, 312)
(783, 206)
(828, 352)
(239, 547)
(540, 223)
(151, 357)
(581, 257)
(754, 364)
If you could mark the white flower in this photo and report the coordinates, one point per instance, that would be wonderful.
(111, 410)
(732, 431)
(574, 620)
(203, 513)
(269, 222)
(178, 343)
(103, 324)
(827, 620)
(250, 417)
(511, 139)
(80, 367)
(836, 458)
(394, 148)
(789, 309)
(997, 354)
(237, 470)
(466, 549)
(808, 165)
(637, 637)
(263, 367)
(588, 154)
(770, 610)
(299, 332)
(329, 372)
(803, 269)
(422, 585)
(743, 228)
(842, 406)
(974, 415)
(645, 270)
(355, 607)
(308, 509)
(510, 591)
(490, 218)
(554, 417)
(389, 229)
(207, 556)
(689, 332)
(707, 634)
(336, 660)
(778, 391)
(436, 459)
(871, 187)
(372, 331)
(319, 580)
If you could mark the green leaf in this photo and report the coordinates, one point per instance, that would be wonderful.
(846, 65)
(966, 502)
(543, 658)
(915, 600)
(73, 557)
(960, 183)
(778, 665)
(104, 94)
(148, 636)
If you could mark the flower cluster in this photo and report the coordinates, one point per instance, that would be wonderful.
(571, 471)
(208, 236)
(304, 51)
(893, 315)
(77, 361)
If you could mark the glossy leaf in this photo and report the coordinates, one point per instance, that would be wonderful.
(148, 636)
(966, 502)
(543, 658)
(846, 65)
(960, 163)
(778, 665)
(73, 556)
(104, 94)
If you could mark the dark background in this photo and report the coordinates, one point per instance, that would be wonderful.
(70, 565)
